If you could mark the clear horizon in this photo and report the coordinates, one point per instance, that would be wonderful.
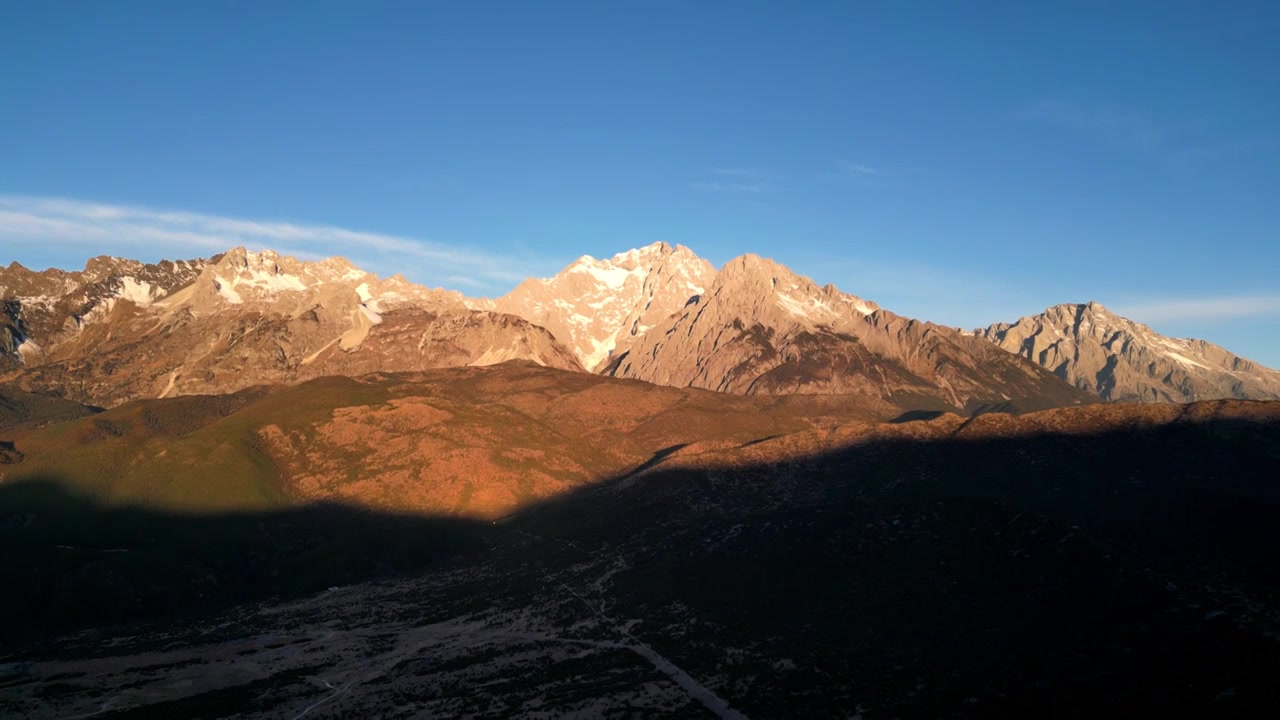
(959, 166)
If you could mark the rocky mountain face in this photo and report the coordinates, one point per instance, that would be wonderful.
(39, 310)
(1119, 359)
(122, 330)
(600, 307)
(762, 329)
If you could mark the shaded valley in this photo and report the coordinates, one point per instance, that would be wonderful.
(1101, 559)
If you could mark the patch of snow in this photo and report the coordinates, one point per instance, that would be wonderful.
(812, 308)
(227, 292)
(271, 282)
(650, 252)
(363, 291)
(371, 313)
(43, 300)
(792, 306)
(29, 349)
(99, 311)
(362, 321)
(862, 307)
(1186, 360)
(391, 297)
(141, 293)
(579, 319)
(614, 278)
(629, 256)
(600, 349)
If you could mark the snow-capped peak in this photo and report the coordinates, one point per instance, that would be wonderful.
(605, 272)
(596, 305)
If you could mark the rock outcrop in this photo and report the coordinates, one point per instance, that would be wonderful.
(762, 329)
(1118, 359)
(122, 330)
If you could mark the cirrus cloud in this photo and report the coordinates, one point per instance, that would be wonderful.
(1202, 308)
(177, 233)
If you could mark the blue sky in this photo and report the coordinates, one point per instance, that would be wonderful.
(963, 164)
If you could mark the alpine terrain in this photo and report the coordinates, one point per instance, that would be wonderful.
(600, 307)
(1119, 359)
(122, 330)
(761, 329)
(256, 486)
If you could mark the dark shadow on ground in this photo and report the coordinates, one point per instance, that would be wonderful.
(1131, 571)
(659, 456)
(916, 415)
(66, 561)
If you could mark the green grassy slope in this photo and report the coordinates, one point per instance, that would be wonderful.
(467, 441)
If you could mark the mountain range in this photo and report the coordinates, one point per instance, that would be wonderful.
(254, 486)
(121, 330)
(1119, 359)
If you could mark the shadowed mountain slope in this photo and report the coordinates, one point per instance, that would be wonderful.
(994, 567)
(19, 409)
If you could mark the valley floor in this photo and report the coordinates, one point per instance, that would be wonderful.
(1033, 566)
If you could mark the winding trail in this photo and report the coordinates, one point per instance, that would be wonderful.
(695, 689)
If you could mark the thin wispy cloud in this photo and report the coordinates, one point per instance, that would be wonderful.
(1217, 308)
(858, 169)
(738, 172)
(1228, 149)
(1175, 141)
(737, 187)
(1115, 123)
(743, 180)
(862, 174)
(464, 281)
(178, 233)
